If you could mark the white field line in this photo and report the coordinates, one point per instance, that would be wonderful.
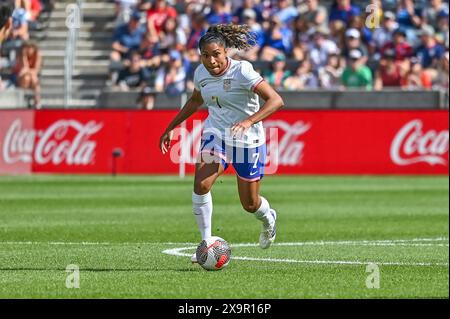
(384, 242)
(178, 252)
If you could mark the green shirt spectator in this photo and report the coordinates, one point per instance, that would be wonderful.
(357, 74)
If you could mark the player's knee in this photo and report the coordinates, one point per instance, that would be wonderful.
(251, 206)
(202, 187)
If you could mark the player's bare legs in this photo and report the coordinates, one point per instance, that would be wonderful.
(253, 203)
(206, 174)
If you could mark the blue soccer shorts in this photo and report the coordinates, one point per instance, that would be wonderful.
(247, 162)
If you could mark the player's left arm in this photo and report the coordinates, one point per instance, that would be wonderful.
(273, 103)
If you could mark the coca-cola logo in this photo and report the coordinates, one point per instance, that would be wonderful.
(288, 148)
(414, 145)
(284, 147)
(65, 141)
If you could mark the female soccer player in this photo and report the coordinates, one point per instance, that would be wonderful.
(233, 132)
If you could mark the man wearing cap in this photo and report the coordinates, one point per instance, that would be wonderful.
(6, 9)
(357, 74)
(352, 42)
(127, 38)
(429, 52)
(383, 35)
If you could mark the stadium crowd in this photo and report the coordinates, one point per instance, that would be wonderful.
(20, 56)
(304, 44)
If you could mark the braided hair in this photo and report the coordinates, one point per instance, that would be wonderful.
(229, 36)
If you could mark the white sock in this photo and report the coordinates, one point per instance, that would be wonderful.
(202, 206)
(263, 212)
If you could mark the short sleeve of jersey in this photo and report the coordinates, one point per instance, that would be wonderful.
(196, 79)
(249, 78)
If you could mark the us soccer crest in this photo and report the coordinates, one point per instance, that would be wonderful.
(227, 84)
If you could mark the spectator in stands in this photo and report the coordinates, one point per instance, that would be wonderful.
(442, 29)
(33, 9)
(198, 30)
(171, 78)
(277, 40)
(383, 35)
(330, 75)
(389, 73)
(358, 23)
(352, 42)
(320, 48)
(277, 74)
(285, 11)
(20, 25)
(304, 78)
(6, 23)
(171, 36)
(27, 69)
(417, 78)
(238, 16)
(219, 14)
(302, 30)
(158, 13)
(124, 9)
(337, 33)
(343, 10)
(409, 18)
(186, 17)
(150, 51)
(133, 77)
(431, 13)
(402, 48)
(249, 18)
(441, 76)
(146, 99)
(429, 52)
(127, 38)
(316, 14)
(357, 74)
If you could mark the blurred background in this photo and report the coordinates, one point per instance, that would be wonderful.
(141, 54)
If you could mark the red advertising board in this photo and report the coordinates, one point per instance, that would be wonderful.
(299, 142)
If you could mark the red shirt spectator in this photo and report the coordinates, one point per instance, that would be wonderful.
(402, 50)
(157, 15)
(391, 77)
(401, 47)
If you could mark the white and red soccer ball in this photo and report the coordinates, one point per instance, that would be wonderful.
(213, 253)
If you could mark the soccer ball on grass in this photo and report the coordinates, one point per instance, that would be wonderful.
(213, 253)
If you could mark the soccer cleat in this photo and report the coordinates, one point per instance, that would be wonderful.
(269, 232)
(194, 258)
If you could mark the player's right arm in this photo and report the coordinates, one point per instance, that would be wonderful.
(191, 106)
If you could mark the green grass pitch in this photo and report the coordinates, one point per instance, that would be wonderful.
(329, 229)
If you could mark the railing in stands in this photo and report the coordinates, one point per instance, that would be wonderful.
(73, 22)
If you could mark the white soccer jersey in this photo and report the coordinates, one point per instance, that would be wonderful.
(230, 99)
